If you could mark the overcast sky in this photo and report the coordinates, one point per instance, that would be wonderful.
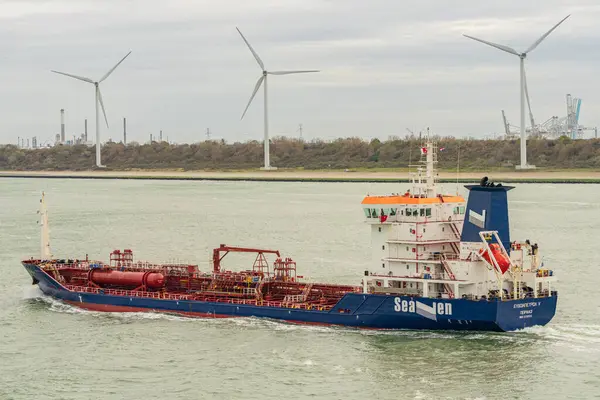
(386, 65)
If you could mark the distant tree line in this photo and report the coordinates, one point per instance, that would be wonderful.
(317, 154)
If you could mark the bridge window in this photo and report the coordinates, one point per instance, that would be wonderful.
(422, 212)
(428, 212)
(367, 212)
(373, 213)
(461, 210)
(383, 247)
(393, 211)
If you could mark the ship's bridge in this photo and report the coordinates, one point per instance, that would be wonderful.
(397, 207)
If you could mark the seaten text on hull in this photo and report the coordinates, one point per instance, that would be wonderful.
(438, 262)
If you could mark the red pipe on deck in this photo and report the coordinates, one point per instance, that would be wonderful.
(153, 280)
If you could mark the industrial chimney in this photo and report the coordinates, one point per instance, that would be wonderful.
(62, 125)
(85, 131)
(125, 131)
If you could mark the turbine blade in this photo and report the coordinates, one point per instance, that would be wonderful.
(498, 46)
(291, 72)
(81, 78)
(115, 67)
(102, 105)
(258, 60)
(258, 83)
(528, 102)
(540, 40)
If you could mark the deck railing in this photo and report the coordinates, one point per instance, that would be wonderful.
(189, 297)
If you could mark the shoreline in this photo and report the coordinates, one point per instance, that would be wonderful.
(535, 176)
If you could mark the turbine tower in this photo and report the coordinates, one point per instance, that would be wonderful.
(98, 101)
(262, 78)
(523, 84)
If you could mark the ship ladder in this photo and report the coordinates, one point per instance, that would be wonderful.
(306, 292)
(57, 276)
(454, 245)
(450, 275)
(454, 230)
(259, 289)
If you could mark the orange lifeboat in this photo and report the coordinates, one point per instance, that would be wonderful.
(501, 258)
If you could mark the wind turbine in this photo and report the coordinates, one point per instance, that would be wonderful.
(98, 101)
(523, 84)
(263, 78)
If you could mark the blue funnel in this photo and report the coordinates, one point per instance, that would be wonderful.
(487, 210)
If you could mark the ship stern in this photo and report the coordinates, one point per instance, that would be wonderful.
(518, 314)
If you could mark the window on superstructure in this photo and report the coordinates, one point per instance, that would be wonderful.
(462, 210)
(367, 212)
(422, 212)
(383, 247)
(455, 210)
(428, 212)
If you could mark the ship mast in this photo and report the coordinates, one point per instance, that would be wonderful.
(45, 230)
(424, 180)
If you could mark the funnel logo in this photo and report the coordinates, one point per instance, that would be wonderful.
(477, 219)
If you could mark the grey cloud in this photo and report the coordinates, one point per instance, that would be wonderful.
(386, 65)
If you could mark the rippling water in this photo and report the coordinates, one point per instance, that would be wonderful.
(49, 350)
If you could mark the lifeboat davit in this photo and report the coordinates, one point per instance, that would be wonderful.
(154, 280)
(501, 259)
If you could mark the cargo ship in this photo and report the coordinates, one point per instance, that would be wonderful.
(438, 263)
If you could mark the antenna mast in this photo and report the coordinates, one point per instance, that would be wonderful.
(45, 230)
(458, 166)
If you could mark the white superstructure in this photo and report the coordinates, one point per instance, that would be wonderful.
(418, 251)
